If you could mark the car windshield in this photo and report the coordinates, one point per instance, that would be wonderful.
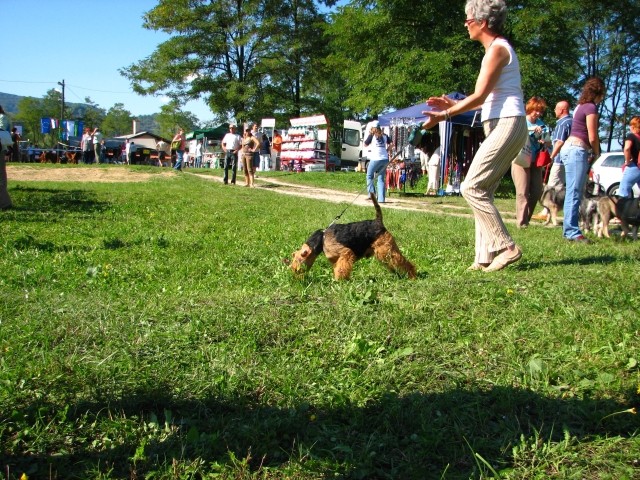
(613, 161)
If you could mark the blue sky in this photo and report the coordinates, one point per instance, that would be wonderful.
(84, 43)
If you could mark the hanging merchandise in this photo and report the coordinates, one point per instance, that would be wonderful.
(306, 146)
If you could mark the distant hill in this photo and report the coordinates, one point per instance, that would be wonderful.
(10, 104)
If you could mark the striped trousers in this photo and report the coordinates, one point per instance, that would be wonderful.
(505, 137)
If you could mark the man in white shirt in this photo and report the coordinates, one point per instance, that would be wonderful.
(97, 144)
(231, 144)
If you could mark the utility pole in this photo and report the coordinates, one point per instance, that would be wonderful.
(61, 109)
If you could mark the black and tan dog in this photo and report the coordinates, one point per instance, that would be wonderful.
(552, 199)
(627, 210)
(344, 244)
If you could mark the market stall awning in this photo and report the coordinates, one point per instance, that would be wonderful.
(414, 112)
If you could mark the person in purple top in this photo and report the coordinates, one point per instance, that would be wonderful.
(582, 144)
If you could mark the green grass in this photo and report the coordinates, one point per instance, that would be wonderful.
(152, 330)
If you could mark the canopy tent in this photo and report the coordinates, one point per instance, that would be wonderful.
(452, 157)
(216, 133)
(471, 118)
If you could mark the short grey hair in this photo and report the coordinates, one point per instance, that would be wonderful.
(493, 11)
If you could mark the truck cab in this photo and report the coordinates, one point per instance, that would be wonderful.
(352, 141)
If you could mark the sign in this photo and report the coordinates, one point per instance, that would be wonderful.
(268, 123)
(309, 121)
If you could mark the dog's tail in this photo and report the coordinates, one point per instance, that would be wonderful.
(376, 205)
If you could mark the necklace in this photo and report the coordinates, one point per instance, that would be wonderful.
(493, 40)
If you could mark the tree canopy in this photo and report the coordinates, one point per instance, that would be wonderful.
(250, 59)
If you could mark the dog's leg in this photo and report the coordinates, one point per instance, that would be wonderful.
(386, 251)
(343, 266)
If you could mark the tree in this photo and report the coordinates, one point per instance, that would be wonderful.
(171, 117)
(215, 53)
(32, 110)
(117, 121)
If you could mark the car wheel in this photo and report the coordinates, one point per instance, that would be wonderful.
(613, 189)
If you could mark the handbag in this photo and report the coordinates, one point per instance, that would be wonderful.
(523, 159)
(175, 145)
(543, 159)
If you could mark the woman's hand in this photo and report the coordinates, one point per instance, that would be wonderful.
(433, 118)
(441, 103)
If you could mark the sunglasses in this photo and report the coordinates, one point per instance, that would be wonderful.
(469, 21)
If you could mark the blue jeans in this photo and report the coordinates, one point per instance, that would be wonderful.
(576, 167)
(630, 177)
(379, 167)
(179, 159)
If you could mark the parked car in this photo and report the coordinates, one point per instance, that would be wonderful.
(141, 155)
(606, 171)
(113, 150)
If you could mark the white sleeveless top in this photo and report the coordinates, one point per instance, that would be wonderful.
(506, 98)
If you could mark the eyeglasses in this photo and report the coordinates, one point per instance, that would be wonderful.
(469, 21)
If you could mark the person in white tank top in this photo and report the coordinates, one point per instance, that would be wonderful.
(499, 93)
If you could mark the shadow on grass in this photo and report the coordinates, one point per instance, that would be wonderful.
(51, 201)
(418, 436)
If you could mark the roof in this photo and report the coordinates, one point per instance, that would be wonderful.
(142, 134)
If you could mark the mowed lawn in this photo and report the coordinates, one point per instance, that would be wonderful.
(154, 330)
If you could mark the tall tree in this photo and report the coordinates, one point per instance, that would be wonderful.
(171, 117)
(215, 52)
(117, 121)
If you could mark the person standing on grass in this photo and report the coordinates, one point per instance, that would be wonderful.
(250, 146)
(277, 147)
(631, 173)
(5, 199)
(265, 154)
(560, 135)
(97, 144)
(378, 159)
(181, 142)
(528, 180)
(582, 145)
(86, 145)
(198, 163)
(498, 90)
(231, 144)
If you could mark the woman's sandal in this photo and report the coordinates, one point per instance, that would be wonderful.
(505, 258)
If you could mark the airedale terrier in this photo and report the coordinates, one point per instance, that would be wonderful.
(344, 244)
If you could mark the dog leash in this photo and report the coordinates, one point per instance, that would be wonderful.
(345, 208)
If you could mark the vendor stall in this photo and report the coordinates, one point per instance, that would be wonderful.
(459, 138)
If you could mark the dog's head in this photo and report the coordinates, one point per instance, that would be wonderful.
(304, 258)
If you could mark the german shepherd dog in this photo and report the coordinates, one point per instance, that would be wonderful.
(552, 199)
(627, 210)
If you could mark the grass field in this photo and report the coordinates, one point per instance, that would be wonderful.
(152, 330)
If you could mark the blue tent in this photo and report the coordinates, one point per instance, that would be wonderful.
(414, 112)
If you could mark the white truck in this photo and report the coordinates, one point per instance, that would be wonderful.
(353, 149)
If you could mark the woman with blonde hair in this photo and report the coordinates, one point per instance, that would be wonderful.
(498, 91)
(631, 173)
(528, 179)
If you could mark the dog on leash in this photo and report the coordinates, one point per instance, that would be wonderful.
(344, 244)
(588, 210)
(627, 210)
(552, 199)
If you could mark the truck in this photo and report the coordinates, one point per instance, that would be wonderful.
(353, 149)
